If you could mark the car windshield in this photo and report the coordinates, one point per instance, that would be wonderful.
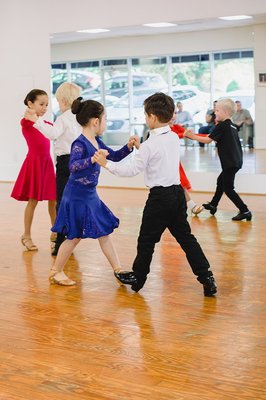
(138, 99)
(179, 95)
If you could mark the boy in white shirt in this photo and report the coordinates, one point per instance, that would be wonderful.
(166, 207)
(64, 131)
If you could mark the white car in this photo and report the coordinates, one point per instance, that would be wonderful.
(117, 85)
(109, 102)
(193, 100)
(84, 79)
(119, 126)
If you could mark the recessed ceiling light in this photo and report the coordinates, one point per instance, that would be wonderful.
(160, 25)
(99, 30)
(236, 17)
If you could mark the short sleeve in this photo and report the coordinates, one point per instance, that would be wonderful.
(217, 133)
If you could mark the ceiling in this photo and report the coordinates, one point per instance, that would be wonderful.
(184, 26)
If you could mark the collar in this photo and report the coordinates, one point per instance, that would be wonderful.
(160, 131)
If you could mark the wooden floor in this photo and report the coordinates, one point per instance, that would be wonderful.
(99, 341)
(198, 159)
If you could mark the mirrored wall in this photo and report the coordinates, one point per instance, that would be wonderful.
(195, 80)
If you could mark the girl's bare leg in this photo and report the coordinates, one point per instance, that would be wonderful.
(28, 217)
(52, 213)
(187, 195)
(52, 210)
(191, 205)
(110, 253)
(56, 274)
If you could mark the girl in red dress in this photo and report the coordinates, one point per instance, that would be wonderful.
(195, 209)
(36, 179)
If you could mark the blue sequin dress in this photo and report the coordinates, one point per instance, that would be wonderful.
(81, 213)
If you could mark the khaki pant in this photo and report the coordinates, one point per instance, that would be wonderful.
(246, 135)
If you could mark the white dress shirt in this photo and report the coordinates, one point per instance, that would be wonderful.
(64, 131)
(158, 157)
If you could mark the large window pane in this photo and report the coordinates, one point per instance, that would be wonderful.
(123, 84)
(191, 79)
(114, 87)
(234, 78)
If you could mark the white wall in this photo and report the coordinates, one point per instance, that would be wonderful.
(25, 51)
(177, 43)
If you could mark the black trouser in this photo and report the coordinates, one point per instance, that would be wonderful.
(62, 175)
(225, 184)
(166, 208)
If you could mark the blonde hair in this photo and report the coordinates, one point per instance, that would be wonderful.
(227, 105)
(67, 92)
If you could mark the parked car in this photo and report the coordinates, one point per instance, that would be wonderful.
(84, 79)
(118, 85)
(192, 98)
(109, 102)
(118, 123)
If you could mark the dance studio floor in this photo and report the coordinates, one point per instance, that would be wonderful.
(99, 341)
(197, 159)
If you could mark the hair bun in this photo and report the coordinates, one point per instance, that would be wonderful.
(77, 105)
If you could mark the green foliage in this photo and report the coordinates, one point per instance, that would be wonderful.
(232, 86)
(180, 79)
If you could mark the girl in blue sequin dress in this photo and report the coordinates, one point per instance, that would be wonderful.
(81, 213)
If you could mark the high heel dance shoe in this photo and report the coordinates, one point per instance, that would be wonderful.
(61, 279)
(27, 242)
(129, 278)
(197, 209)
(117, 273)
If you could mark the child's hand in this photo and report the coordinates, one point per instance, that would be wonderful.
(30, 115)
(133, 141)
(189, 134)
(99, 158)
(103, 152)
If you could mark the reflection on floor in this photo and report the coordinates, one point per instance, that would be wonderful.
(198, 159)
(99, 341)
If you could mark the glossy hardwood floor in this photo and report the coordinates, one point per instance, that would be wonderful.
(99, 341)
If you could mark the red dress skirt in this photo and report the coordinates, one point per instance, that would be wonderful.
(179, 130)
(36, 179)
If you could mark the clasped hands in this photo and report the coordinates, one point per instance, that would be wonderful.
(30, 115)
(189, 134)
(100, 155)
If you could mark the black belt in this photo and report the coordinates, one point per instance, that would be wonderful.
(63, 157)
(159, 189)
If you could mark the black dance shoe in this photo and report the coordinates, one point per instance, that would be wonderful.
(56, 248)
(209, 286)
(138, 285)
(210, 207)
(126, 277)
(245, 215)
(129, 278)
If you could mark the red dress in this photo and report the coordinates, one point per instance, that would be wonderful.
(36, 179)
(179, 130)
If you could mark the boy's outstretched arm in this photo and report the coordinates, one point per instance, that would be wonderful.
(202, 139)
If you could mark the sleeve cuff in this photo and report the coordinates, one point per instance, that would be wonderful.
(38, 123)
